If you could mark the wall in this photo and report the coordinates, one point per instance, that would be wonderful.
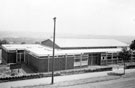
(9, 57)
(36, 63)
(43, 65)
(62, 63)
(70, 62)
(32, 61)
(4, 56)
(59, 64)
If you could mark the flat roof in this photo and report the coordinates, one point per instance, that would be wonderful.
(43, 52)
(9, 47)
(65, 42)
(39, 50)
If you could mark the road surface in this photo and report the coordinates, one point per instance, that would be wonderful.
(127, 81)
(118, 83)
(58, 79)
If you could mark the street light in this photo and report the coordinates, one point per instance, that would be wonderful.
(53, 50)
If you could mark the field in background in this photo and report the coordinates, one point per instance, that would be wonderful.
(32, 37)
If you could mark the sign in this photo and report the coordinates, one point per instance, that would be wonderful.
(15, 66)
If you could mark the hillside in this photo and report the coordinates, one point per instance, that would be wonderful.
(32, 37)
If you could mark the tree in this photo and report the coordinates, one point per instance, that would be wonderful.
(37, 42)
(132, 45)
(125, 56)
(3, 42)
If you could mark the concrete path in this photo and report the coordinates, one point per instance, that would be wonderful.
(56, 79)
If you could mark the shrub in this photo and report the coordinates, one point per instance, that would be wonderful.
(115, 74)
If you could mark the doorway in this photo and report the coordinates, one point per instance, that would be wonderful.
(20, 56)
(94, 59)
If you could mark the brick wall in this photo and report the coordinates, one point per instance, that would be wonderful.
(70, 63)
(59, 64)
(9, 57)
(62, 63)
(32, 62)
(43, 65)
(4, 55)
(37, 64)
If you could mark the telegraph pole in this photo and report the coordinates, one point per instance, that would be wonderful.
(53, 50)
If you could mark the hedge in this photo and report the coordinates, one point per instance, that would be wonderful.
(23, 77)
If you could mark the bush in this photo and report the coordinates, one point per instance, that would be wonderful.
(115, 74)
(99, 69)
(40, 75)
(130, 66)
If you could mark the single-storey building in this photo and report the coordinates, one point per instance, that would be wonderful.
(69, 53)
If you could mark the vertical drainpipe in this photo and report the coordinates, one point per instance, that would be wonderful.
(20, 57)
(16, 56)
(48, 62)
(91, 59)
(100, 60)
(112, 58)
(65, 61)
(74, 61)
(117, 58)
(131, 57)
(106, 58)
(24, 55)
(81, 60)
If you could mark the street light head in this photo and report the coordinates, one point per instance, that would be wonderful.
(54, 18)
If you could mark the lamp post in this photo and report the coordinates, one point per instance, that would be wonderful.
(53, 51)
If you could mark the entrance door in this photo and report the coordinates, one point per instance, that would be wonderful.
(94, 59)
(20, 56)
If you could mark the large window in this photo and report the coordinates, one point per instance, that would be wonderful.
(80, 60)
(84, 60)
(77, 60)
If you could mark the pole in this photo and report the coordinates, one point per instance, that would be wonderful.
(53, 50)
(124, 67)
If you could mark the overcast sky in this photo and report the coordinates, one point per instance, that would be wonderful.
(96, 17)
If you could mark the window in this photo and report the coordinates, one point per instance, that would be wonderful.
(84, 59)
(114, 56)
(77, 60)
(103, 58)
(109, 57)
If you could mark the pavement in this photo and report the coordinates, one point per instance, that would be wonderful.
(57, 79)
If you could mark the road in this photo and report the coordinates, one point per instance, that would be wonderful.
(118, 83)
(127, 81)
(60, 79)
(48, 79)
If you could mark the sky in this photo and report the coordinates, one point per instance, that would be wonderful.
(95, 17)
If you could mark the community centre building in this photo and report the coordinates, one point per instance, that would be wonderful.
(69, 53)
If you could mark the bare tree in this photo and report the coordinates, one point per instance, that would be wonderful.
(125, 56)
